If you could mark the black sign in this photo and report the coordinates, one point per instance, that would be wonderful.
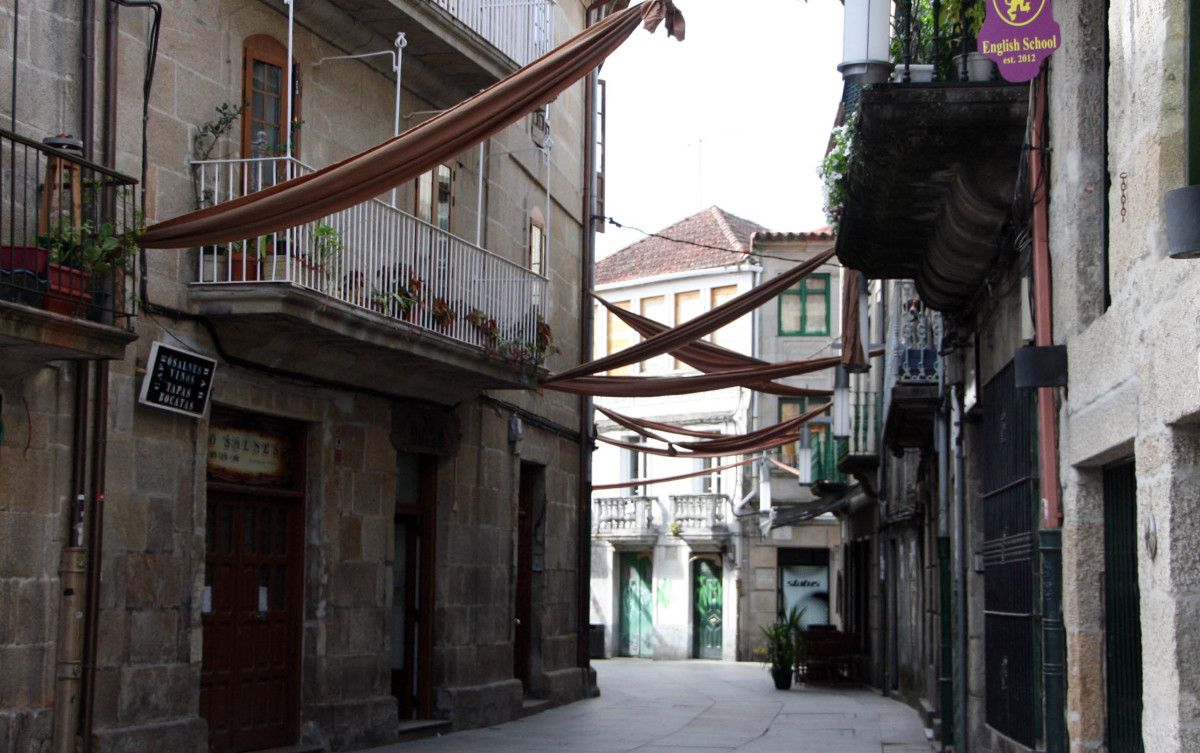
(177, 380)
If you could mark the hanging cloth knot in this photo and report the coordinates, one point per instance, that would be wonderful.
(655, 12)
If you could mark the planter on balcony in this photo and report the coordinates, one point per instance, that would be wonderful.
(69, 290)
(23, 274)
(979, 68)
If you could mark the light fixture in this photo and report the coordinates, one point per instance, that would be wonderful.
(841, 403)
(804, 461)
(865, 38)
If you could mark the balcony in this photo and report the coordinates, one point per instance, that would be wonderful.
(454, 47)
(702, 520)
(827, 478)
(859, 455)
(625, 522)
(912, 369)
(931, 185)
(66, 229)
(400, 295)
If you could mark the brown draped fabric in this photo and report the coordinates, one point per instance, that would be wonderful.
(761, 439)
(707, 357)
(694, 329)
(784, 466)
(854, 356)
(662, 479)
(645, 427)
(417, 150)
(623, 386)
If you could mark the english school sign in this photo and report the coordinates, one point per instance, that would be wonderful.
(1018, 35)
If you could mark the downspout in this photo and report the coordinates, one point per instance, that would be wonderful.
(95, 540)
(960, 571)
(87, 115)
(583, 581)
(764, 484)
(946, 649)
(1050, 530)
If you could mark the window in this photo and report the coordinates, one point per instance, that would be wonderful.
(264, 81)
(537, 243)
(598, 223)
(620, 337)
(633, 465)
(804, 307)
(687, 306)
(790, 408)
(726, 336)
(655, 307)
(434, 192)
(709, 483)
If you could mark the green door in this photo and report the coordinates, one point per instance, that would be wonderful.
(707, 620)
(637, 624)
(1122, 611)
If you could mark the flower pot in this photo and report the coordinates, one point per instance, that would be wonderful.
(68, 293)
(979, 67)
(23, 271)
(918, 73)
(244, 267)
(782, 677)
(1182, 207)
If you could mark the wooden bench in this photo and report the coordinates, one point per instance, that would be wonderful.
(828, 657)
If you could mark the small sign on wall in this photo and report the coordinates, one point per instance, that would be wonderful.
(246, 456)
(177, 381)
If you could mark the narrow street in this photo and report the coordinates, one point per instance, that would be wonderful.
(709, 706)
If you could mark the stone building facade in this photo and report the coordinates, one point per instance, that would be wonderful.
(397, 545)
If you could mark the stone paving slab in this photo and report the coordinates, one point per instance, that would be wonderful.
(701, 707)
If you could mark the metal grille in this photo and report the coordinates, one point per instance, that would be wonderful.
(1008, 558)
(1122, 615)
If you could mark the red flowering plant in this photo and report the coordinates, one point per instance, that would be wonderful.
(442, 312)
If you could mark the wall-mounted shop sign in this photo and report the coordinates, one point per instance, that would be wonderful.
(1019, 35)
(177, 380)
(247, 456)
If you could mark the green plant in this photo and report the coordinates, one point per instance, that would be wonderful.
(834, 169)
(94, 248)
(209, 134)
(784, 641)
(326, 244)
(675, 528)
(442, 312)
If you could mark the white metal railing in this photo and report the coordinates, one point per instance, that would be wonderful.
(377, 257)
(699, 511)
(521, 29)
(623, 515)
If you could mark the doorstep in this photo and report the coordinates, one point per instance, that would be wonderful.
(415, 729)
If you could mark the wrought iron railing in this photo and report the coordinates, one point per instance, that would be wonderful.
(67, 230)
(914, 338)
(864, 432)
(623, 515)
(699, 511)
(380, 258)
(521, 29)
(826, 451)
(929, 43)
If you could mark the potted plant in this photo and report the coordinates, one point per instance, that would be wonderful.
(442, 312)
(245, 258)
(784, 644)
(833, 172)
(325, 247)
(965, 18)
(397, 292)
(75, 254)
(487, 327)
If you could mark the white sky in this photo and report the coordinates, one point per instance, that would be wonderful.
(737, 115)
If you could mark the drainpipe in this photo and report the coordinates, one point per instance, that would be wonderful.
(94, 546)
(87, 115)
(946, 651)
(584, 516)
(960, 571)
(1050, 531)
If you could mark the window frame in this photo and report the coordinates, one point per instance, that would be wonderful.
(434, 183)
(267, 49)
(807, 432)
(537, 260)
(800, 290)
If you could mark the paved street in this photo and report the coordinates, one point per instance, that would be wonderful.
(712, 707)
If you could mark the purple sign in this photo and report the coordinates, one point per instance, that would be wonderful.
(1019, 35)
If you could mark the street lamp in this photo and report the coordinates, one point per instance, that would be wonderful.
(804, 460)
(841, 403)
(865, 38)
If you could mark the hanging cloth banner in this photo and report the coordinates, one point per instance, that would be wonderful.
(623, 386)
(763, 439)
(1018, 35)
(663, 479)
(638, 424)
(694, 329)
(707, 357)
(417, 150)
(854, 356)
(784, 466)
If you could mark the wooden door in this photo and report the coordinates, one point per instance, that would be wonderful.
(637, 624)
(707, 616)
(1122, 611)
(405, 615)
(523, 608)
(251, 610)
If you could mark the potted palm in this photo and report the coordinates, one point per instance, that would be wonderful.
(784, 643)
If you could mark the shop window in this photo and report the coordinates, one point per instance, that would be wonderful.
(804, 307)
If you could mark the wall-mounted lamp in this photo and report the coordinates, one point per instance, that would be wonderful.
(804, 461)
(841, 403)
(865, 38)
